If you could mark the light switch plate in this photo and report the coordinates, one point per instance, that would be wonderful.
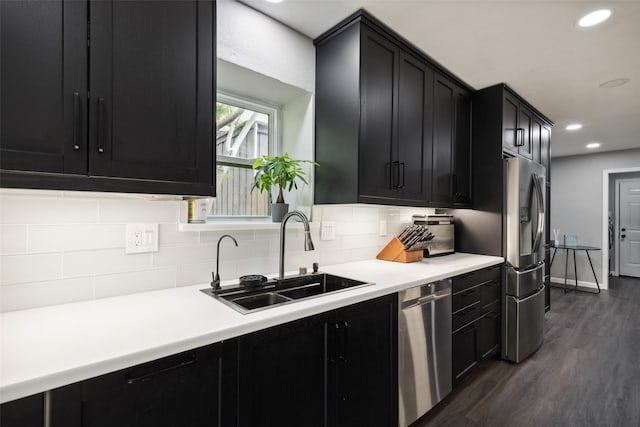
(382, 230)
(328, 230)
(141, 238)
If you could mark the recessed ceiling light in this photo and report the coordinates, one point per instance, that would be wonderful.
(574, 126)
(614, 83)
(594, 18)
(274, 1)
(593, 145)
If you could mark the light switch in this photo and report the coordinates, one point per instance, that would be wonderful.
(327, 230)
(141, 238)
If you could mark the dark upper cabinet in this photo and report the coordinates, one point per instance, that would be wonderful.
(335, 369)
(144, 120)
(451, 143)
(376, 110)
(517, 122)
(183, 389)
(43, 86)
(25, 412)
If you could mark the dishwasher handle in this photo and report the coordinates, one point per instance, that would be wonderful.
(427, 299)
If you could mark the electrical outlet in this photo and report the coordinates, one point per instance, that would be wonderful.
(382, 230)
(141, 238)
(327, 230)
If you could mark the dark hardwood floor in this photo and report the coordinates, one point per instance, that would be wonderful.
(587, 372)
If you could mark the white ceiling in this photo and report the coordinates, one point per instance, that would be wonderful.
(532, 45)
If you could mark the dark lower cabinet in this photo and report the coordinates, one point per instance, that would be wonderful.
(464, 350)
(476, 317)
(362, 364)
(335, 369)
(25, 412)
(282, 374)
(183, 389)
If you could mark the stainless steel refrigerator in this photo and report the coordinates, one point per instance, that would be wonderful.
(523, 249)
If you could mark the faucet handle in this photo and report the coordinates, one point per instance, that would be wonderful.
(315, 267)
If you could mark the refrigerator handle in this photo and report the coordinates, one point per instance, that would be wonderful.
(540, 223)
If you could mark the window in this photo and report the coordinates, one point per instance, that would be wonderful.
(245, 130)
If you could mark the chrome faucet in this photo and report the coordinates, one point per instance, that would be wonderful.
(215, 283)
(308, 243)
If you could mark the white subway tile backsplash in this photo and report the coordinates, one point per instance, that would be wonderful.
(48, 238)
(13, 239)
(69, 246)
(40, 294)
(103, 261)
(182, 255)
(133, 210)
(47, 210)
(139, 281)
(171, 236)
(30, 268)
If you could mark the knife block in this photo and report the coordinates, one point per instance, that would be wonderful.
(395, 251)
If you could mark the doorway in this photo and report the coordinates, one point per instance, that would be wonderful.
(628, 227)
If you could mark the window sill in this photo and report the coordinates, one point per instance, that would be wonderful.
(239, 225)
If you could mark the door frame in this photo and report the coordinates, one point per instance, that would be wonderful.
(616, 222)
(605, 219)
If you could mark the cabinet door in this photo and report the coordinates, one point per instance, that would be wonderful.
(152, 90)
(43, 86)
(462, 148)
(510, 137)
(177, 390)
(464, 350)
(281, 375)
(415, 101)
(362, 370)
(545, 150)
(443, 134)
(489, 334)
(25, 412)
(378, 176)
(524, 142)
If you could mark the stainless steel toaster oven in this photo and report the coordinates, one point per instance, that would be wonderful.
(442, 227)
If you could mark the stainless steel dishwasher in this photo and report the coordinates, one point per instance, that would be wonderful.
(424, 348)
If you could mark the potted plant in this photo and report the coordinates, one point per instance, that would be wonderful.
(282, 171)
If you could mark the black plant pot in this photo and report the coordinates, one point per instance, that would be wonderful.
(278, 211)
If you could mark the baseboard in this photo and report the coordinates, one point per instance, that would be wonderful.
(572, 282)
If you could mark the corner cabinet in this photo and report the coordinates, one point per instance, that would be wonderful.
(144, 120)
(183, 389)
(335, 369)
(375, 121)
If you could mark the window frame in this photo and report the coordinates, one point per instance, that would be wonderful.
(274, 112)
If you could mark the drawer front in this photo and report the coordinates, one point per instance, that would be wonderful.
(466, 298)
(468, 280)
(490, 293)
(466, 315)
(464, 351)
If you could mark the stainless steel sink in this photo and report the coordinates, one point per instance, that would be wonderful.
(277, 292)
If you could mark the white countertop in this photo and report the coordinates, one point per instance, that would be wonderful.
(45, 348)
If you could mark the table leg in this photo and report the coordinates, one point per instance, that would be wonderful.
(592, 270)
(552, 258)
(566, 263)
(575, 268)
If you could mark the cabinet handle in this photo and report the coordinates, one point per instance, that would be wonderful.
(466, 311)
(76, 121)
(519, 137)
(101, 125)
(343, 344)
(492, 315)
(150, 375)
(402, 174)
(469, 292)
(468, 329)
(396, 175)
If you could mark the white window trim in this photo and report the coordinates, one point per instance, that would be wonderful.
(274, 113)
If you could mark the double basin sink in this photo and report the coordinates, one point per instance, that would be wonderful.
(277, 292)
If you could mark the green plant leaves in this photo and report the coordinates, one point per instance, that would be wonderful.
(282, 171)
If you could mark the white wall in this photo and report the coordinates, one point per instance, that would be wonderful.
(576, 206)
